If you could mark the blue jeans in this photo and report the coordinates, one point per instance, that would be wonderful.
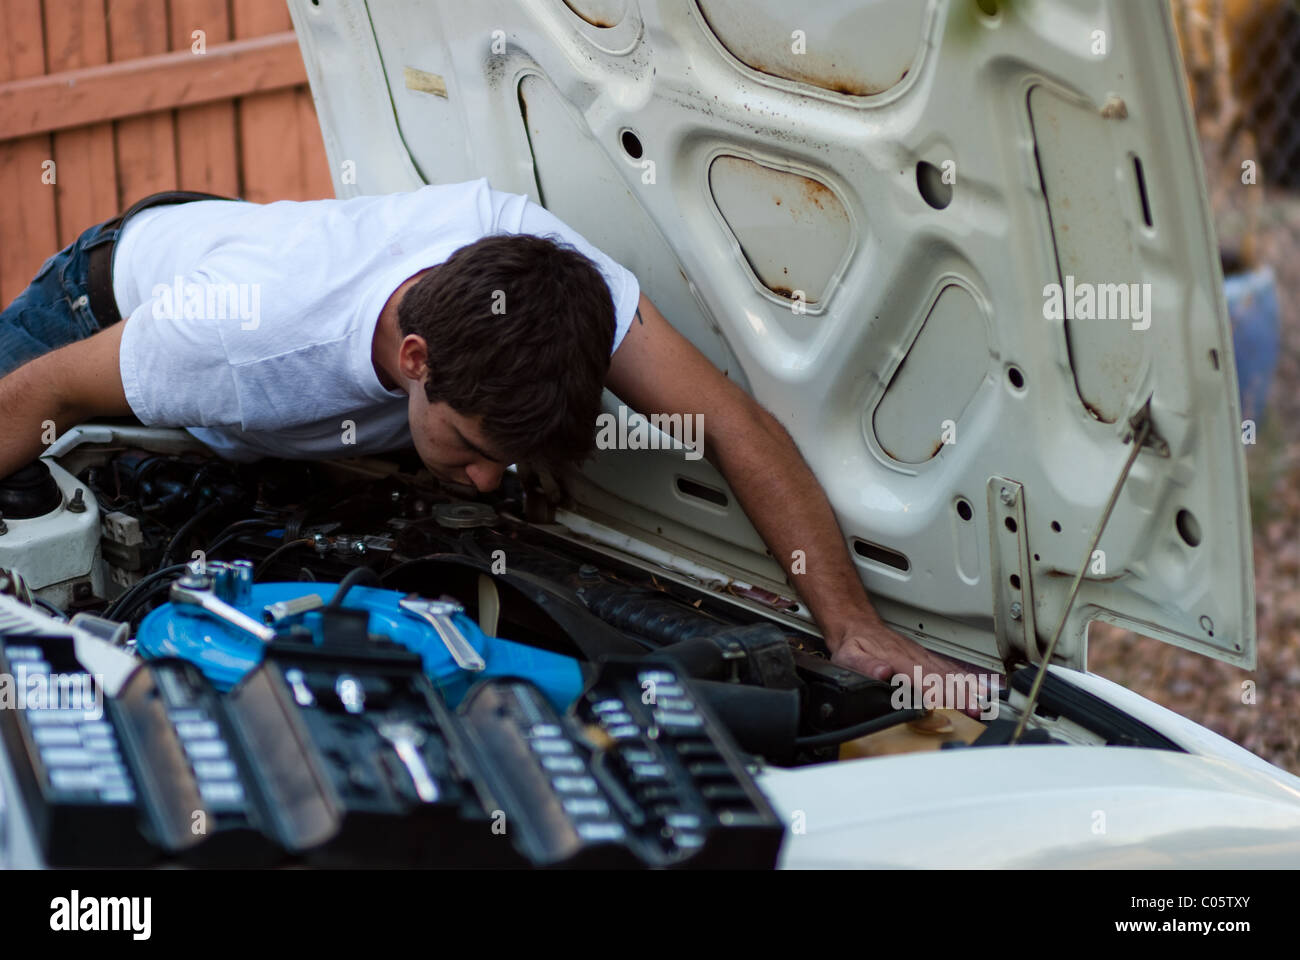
(54, 310)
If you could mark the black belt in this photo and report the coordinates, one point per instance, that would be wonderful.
(99, 262)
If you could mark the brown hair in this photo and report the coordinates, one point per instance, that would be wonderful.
(519, 329)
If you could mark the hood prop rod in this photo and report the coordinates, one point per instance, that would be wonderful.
(1141, 434)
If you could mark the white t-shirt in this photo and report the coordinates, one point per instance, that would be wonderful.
(251, 324)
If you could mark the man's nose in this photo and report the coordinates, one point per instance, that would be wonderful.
(485, 476)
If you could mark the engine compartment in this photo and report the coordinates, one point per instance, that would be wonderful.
(385, 529)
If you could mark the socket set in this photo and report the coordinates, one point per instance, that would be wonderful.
(534, 770)
(62, 739)
(200, 801)
(355, 764)
(638, 774)
(685, 791)
(343, 754)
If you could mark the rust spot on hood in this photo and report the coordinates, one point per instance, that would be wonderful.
(597, 14)
(763, 43)
(815, 193)
(787, 242)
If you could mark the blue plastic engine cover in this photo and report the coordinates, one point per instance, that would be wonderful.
(225, 654)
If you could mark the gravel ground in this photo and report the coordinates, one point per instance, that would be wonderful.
(1207, 691)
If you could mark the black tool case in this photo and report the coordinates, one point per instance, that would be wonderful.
(313, 721)
(195, 778)
(63, 740)
(342, 754)
(638, 773)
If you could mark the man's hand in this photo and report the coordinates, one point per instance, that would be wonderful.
(881, 653)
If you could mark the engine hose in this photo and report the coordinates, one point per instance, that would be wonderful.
(646, 613)
(278, 552)
(355, 576)
(126, 602)
(186, 528)
(237, 528)
(836, 737)
(293, 525)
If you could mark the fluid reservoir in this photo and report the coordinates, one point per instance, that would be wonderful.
(929, 732)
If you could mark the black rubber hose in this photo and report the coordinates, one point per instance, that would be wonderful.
(835, 737)
(355, 576)
(236, 528)
(646, 613)
(185, 529)
(114, 609)
(699, 657)
(762, 721)
(279, 551)
(128, 613)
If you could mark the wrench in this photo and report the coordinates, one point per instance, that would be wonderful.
(438, 614)
(196, 591)
(406, 739)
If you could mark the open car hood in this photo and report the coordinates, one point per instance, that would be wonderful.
(856, 210)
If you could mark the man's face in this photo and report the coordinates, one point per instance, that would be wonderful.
(453, 446)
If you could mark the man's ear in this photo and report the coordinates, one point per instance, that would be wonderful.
(413, 357)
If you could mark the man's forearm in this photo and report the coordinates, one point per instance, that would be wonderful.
(657, 369)
(29, 404)
(787, 506)
(56, 391)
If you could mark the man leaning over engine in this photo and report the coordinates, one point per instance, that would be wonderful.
(380, 310)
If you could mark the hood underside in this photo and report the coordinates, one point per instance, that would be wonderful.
(952, 246)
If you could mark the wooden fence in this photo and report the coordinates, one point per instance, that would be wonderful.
(105, 101)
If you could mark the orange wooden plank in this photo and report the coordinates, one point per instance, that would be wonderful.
(146, 146)
(270, 147)
(149, 84)
(86, 192)
(29, 227)
(270, 136)
(23, 52)
(87, 179)
(207, 158)
(313, 162)
(252, 18)
(29, 230)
